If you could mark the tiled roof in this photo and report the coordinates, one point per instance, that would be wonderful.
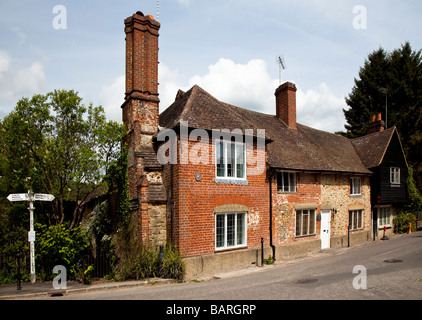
(202, 110)
(304, 149)
(372, 147)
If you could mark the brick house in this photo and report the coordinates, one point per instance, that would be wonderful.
(215, 179)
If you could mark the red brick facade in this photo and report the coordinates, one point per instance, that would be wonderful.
(195, 203)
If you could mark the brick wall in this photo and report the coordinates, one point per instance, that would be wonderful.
(195, 203)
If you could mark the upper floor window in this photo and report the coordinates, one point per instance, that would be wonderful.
(395, 175)
(230, 160)
(355, 187)
(286, 182)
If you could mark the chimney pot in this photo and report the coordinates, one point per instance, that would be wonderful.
(285, 96)
(376, 124)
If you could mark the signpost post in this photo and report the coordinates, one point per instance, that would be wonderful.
(31, 197)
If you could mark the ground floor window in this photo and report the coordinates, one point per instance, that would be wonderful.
(355, 219)
(305, 222)
(384, 217)
(230, 230)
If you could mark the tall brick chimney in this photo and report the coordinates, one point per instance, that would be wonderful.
(285, 100)
(147, 194)
(141, 72)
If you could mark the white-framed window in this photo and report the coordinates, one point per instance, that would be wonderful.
(355, 186)
(394, 175)
(384, 217)
(305, 222)
(355, 219)
(286, 182)
(230, 230)
(230, 160)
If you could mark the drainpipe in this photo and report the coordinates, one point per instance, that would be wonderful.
(171, 205)
(271, 215)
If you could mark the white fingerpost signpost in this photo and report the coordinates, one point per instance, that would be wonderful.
(31, 197)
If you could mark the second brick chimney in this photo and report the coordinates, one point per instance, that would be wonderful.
(376, 124)
(285, 100)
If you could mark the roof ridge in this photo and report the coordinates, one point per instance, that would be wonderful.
(392, 129)
(188, 105)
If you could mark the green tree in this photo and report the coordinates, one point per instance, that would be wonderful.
(55, 144)
(396, 76)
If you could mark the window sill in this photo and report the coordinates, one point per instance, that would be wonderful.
(231, 181)
(395, 185)
(230, 249)
(286, 192)
(356, 196)
(307, 236)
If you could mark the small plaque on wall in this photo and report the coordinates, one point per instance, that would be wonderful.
(198, 176)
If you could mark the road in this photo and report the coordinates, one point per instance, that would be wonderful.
(393, 271)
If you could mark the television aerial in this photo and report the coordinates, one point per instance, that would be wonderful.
(281, 66)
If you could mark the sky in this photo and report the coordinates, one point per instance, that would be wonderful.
(227, 47)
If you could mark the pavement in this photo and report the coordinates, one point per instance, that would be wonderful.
(46, 289)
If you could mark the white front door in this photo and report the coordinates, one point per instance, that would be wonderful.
(325, 228)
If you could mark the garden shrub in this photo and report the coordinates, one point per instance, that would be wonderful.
(402, 221)
(57, 245)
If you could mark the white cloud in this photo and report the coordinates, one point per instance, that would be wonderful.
(321, 109)
(29, 80)
(244, 85)
(250, 86)
(17, 81)
(111, 97)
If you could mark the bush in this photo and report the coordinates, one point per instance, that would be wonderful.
(270, 260)
(57, 245)
(147, 265)
(172, 266)
(402, 221)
